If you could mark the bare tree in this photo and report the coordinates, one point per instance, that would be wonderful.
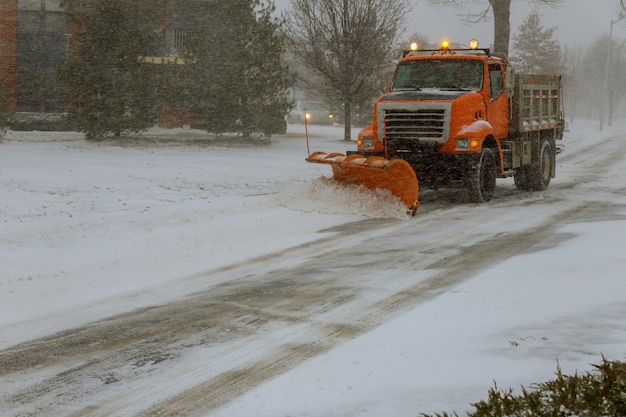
(608, 89)
(593, 76)
(501, 10)
(573, 78)
(345, 43)
(616, 77)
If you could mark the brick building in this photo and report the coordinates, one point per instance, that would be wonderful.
(8, 51)
(33, 42)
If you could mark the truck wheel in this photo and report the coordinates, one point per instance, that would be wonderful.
(521, 178)
(541, 172)
(481, 182)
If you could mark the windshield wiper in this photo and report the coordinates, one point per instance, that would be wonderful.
(454, 88)
(407, 89)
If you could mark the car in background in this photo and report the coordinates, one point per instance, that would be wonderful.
(314, 112)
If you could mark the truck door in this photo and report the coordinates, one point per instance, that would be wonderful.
(498, 103)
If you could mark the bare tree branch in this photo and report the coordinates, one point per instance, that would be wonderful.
(499, 9)
(345, 42)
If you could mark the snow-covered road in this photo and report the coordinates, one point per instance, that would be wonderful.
(234, 281)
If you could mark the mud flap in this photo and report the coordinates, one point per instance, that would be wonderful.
(373, 172)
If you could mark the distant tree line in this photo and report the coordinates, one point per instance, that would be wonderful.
(232, 78)
(593, 77)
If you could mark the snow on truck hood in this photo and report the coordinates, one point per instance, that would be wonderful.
(424, 94)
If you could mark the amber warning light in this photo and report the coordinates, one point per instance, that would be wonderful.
(444, 48)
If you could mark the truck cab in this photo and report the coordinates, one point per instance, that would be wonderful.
(441, 109)
(460, 117)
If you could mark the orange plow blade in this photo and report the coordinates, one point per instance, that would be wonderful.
(374, 172)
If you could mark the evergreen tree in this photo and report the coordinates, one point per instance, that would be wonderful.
(534, 50)
(112, 89)
(236, 81)
(266, 81)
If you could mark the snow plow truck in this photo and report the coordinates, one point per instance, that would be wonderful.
(456, 118)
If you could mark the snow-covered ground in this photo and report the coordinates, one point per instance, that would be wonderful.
(88, 230)
(83, 222)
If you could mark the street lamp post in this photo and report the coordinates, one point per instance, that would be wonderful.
(621, 16)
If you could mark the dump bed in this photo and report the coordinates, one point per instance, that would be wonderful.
(537, 104)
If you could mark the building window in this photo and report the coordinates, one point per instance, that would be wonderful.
(41, 16)
(42, 45)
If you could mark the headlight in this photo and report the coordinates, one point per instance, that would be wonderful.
(465, 144)
(462, 144)
(366, 143)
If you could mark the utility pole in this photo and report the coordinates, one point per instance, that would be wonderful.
(347, 38)
(609, 52)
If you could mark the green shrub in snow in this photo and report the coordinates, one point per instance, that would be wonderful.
(3, 114)
(600, 393)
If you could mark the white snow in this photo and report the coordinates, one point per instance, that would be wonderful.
(88, 230)
(507, 327)
(475, 127)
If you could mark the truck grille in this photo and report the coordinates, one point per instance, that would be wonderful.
(424, 124)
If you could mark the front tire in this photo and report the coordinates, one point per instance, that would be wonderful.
(481, 181)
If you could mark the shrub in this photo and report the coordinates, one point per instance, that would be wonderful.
(44, 122)
(601, 392)
(3, 114)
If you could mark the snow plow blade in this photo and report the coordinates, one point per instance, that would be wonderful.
(373, 172)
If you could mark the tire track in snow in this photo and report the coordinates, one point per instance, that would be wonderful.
(305, 300)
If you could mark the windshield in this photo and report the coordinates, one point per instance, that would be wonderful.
(442, 74)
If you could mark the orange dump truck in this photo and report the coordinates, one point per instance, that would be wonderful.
(456, 117)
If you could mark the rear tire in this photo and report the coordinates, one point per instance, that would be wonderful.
(536, 177)
(481, 181)
(521, 178)
(541, 173)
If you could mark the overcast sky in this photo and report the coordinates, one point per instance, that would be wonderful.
(579, 22)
